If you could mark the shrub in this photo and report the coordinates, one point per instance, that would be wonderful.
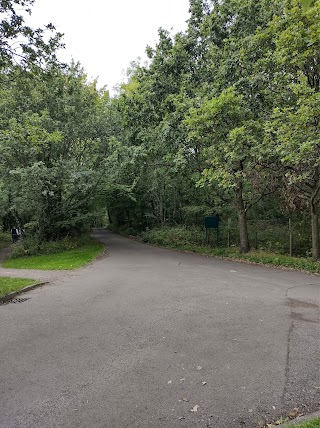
(192, 240)
(173, 237)
(4, 240)
(32, 247)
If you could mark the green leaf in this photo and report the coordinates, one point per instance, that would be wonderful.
(305, 4)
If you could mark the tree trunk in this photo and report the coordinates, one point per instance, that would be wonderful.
(315, 232)
(242, 218)
(315, 216)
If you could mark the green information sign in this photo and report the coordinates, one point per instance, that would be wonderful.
(211, 222)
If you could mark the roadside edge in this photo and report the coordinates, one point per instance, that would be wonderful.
(301, 419)
(12, 295)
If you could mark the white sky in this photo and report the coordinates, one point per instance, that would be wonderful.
(106, 35)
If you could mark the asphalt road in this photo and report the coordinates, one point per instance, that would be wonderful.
(148, 337)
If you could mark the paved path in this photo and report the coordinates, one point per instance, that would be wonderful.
(146, 335)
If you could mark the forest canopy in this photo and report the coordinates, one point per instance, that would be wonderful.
(224, 119)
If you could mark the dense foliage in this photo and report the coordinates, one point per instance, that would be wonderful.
(224, 119)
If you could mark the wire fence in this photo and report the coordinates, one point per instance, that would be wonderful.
(288, 236)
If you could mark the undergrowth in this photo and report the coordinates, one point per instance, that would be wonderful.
(66, 254)
(4, 240)
(30, 247)
(182, 239)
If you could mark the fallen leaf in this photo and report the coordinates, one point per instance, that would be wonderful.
(195, 408)
(294, 413)
(170, 381)
(181, 417)
(204, 383)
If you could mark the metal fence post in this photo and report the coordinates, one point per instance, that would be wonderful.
(229, 226)
(256, 237)
(290, 237)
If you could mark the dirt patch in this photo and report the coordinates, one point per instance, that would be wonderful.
(294, 303)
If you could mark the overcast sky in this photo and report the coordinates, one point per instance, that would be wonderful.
(106, 35)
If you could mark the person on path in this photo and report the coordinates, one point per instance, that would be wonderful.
(15, 234)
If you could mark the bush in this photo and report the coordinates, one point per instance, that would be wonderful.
(192, 240)
(174, 237)
(5, 240)
(31, 247)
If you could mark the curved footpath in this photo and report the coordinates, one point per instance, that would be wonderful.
(149, 337)
(41, 275)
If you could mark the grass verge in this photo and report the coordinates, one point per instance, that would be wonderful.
(315, 423)
(61, 260)
(177, 239)
(9, 285)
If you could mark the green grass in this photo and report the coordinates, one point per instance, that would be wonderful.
(315, 423)
(8, 285)
(67, 259)
(177, 238)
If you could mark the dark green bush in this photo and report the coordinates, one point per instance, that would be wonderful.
(31, 247)
(5, 240)
(174, 237)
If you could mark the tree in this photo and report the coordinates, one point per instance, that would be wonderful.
(223, 126)
(298, 146)
(296, 120)
(52, 151)
(19, 43)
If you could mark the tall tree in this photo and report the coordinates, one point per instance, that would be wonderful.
(19, 43)
(296, 119)
(51, 152)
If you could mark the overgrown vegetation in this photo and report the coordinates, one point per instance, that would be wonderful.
(9, 285)
(192, 240)
(67, 254)
(5, 240)
(224, 120)
(31, 247)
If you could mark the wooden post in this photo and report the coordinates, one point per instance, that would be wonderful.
(229, 237)
(207, 236)
(256, 237)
